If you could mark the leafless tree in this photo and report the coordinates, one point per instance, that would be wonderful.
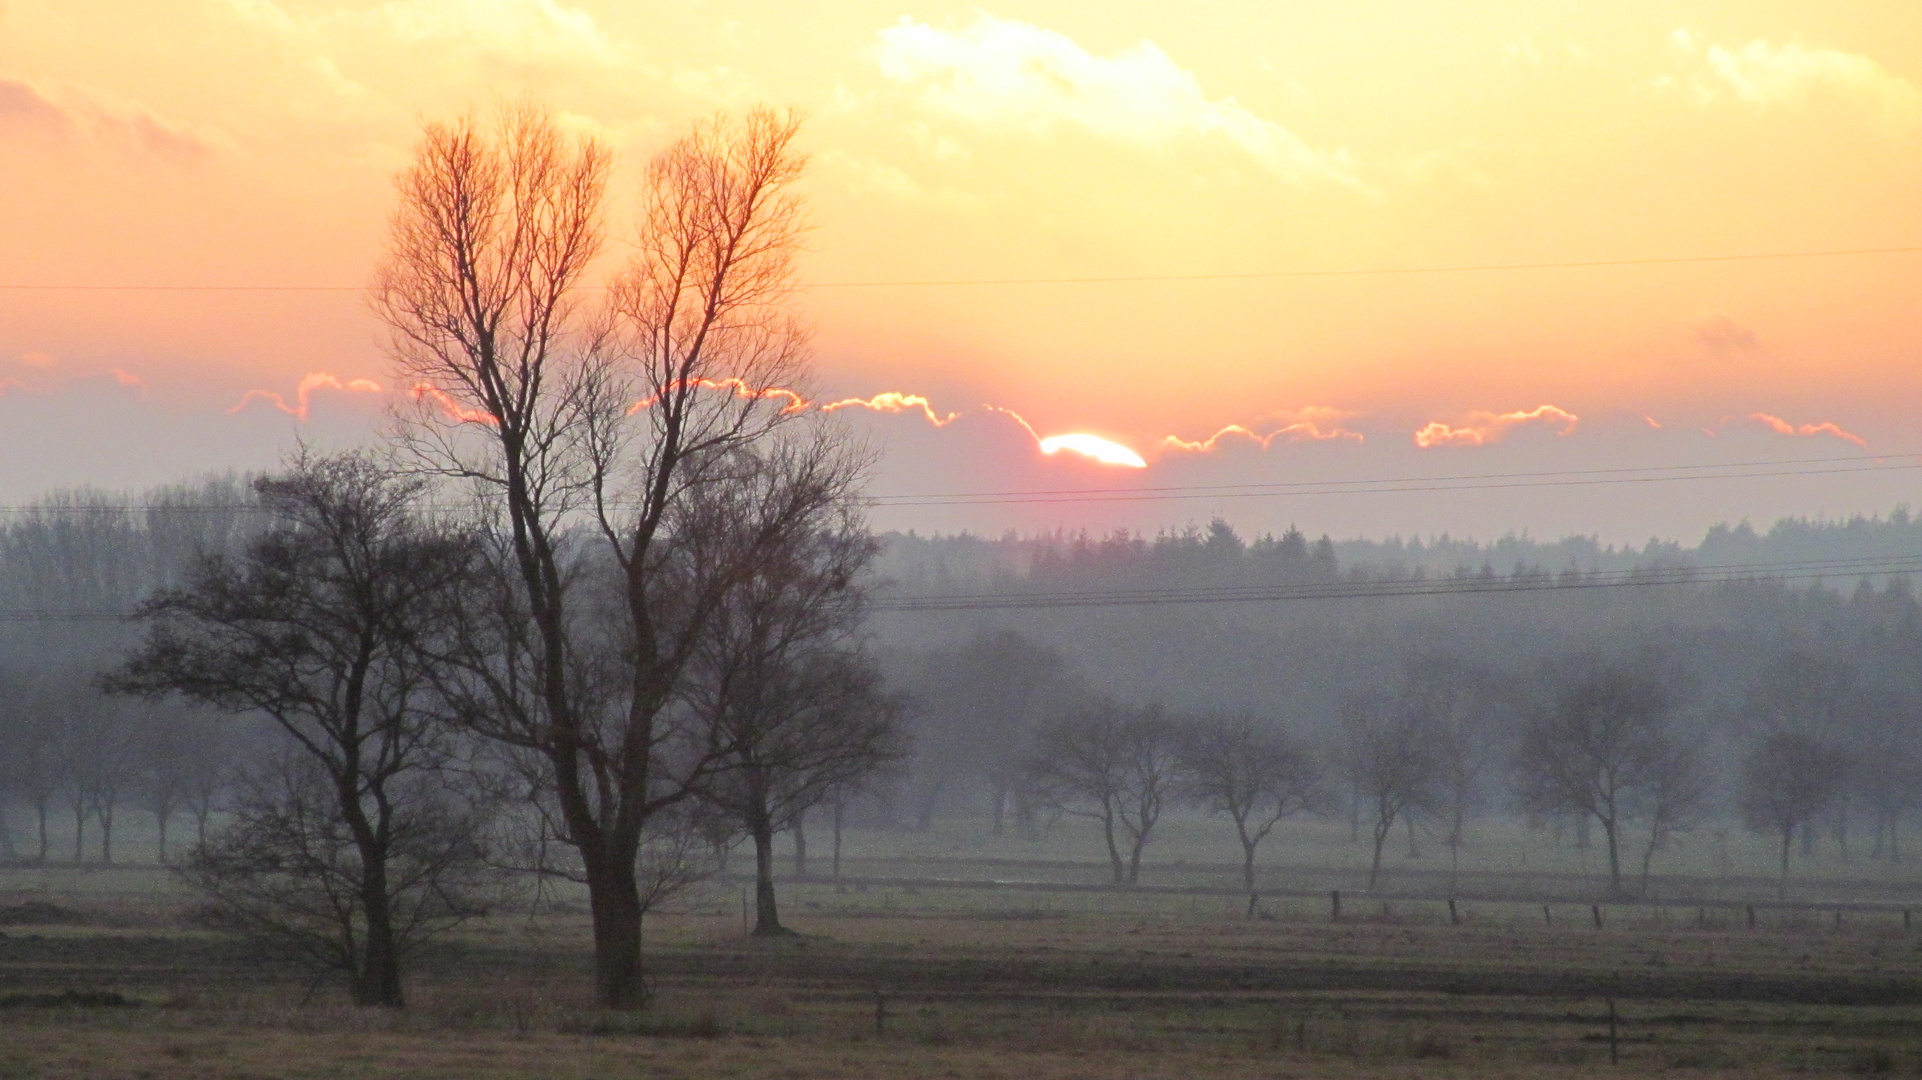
(1255, 773)
(1389, 759)
(1464, 712)
(617, 421)
(1116, 765)
(981, 704)
(1597, 745)
(290, 868)
(177, 751)
(1787, 779)
(1888, 766)
(782, 679)
(320, 626)
(1675, 797)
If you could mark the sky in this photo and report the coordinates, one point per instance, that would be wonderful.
(1026, 148)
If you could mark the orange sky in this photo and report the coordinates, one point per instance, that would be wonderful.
(253, 141)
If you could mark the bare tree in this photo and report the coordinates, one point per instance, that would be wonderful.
(177, 750)
(1256, 774)
(1598, 745)
(1390, 761)
(1113, 764)
(1674, 799)
(782, 677)
(981, 704)
(620, 420)
(1463, 711)
(1788, 779)
(319, 626)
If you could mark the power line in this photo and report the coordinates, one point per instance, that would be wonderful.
(1117, 279)
(1373, 590)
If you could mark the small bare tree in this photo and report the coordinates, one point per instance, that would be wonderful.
(1788, 779)
(1390, 761)
(1255, 774)
(1675, 799)
(1464, 712)
(1115, 765)
(353, 839)
(1598, 746)
(782, 680)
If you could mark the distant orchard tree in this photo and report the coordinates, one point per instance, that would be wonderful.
(1675, 799)
(1390, 760)
(1597, 746)
(1464, 711)
(1256, 774)
(1787, 780)
(1116, 765)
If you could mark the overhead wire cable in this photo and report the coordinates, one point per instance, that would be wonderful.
(1112, 279)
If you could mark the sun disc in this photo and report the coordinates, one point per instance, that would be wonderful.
(1103, 450)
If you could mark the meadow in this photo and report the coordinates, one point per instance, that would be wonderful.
(949, 953)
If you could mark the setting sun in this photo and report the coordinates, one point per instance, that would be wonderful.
(1103, 450)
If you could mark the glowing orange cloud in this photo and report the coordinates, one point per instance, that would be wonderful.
(1300, 431)
(314, 380)
(453, 410)
(893, 401)
(1482, 428)
(740, 388)
(1806, 431)
(125, 377)
(1103, 450)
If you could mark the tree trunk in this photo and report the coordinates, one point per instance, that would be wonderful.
(7, 850)
(839, 809)
(1248, 872)
(377, 983)
(1114, 850)
(79, 833)
(767, 917)
(1782, 888)
(1134, 858)
(160, 829)
(1383, 826)
(614, 899)
(800, 844)
(1614, 856)
(1414, 841)
(41, 809)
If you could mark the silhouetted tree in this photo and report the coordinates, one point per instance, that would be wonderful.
(354, 841)
(1116, 765)
(1255, 774)
(1390, 761)
(1789, 778)
(1598, 744)
(620, 419)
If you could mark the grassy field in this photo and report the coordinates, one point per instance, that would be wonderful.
(1019, 980)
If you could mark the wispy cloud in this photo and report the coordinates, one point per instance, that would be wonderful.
(1807, 431)
(1010, 74)
(89, 117)
(1766, 76)
(1483, 428)
(1719, 332)
(1313, 424)
(303, 393)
